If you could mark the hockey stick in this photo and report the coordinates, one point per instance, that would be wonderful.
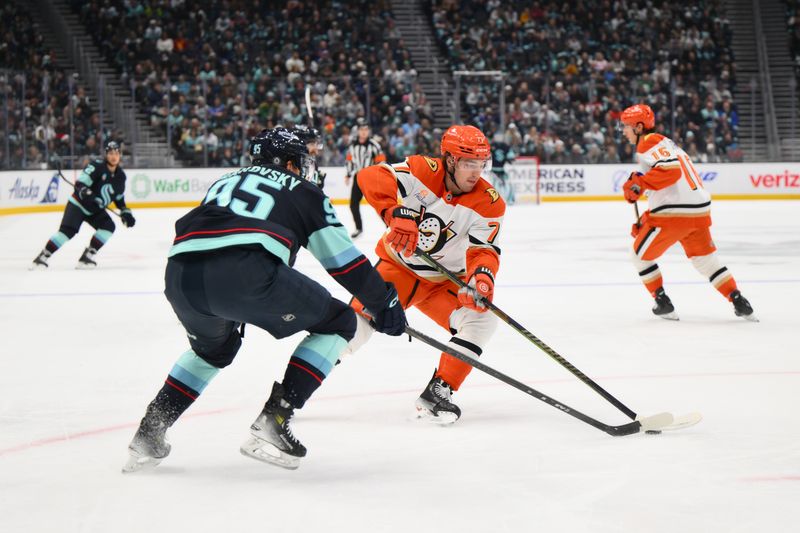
(638, 217)
(650, 423)
(680, 422)
(63, 177)
(308, 107)
(531, 337)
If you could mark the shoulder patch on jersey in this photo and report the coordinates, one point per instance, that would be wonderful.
(432, 163)
(649, 141)
(493, 194)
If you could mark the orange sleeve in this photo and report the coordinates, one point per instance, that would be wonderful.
(482, 257)
(660, 177)
(380, 158)
(379, 186)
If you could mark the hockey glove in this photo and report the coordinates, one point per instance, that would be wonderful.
(127, 218)
(84, 193)
(390, 320)
(478, 291)
(632, 189)
(403, 232)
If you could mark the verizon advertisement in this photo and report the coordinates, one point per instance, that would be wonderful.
(24, 191)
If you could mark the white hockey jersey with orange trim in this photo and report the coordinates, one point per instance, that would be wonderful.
(676, 194)
(461, 232)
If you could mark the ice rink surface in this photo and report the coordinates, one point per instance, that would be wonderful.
(83, 352)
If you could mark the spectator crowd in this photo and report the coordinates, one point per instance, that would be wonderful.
(39, 125)
(573, 66)
(212, 74)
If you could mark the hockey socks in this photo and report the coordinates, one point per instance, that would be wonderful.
(99, 238)
(185, 382)
(452, 370)
(311, 362)
(56, 241)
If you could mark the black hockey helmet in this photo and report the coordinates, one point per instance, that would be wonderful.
(306, 134)
(279, 146)
(310, 136)
(111, 146)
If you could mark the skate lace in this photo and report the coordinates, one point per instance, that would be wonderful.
(288, 430)
(442, 391)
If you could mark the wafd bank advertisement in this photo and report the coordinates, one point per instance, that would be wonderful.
(42, 190)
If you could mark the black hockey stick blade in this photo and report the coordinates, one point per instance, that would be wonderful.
(650, 423)
(533, 338)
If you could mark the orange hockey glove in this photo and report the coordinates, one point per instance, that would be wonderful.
(632, 189)
(403, 232)
(478, 291)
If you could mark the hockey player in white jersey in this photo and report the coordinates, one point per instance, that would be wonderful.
(679, 211)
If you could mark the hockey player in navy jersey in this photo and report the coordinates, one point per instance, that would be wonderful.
(231, 264)
(100, 183)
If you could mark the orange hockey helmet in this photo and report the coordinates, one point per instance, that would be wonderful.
(639, 113)
(466, 141)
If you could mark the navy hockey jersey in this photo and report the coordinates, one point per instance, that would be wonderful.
(106, 187)
(273, 209)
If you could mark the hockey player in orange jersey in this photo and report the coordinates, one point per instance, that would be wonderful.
(679, 211)
(444, 207)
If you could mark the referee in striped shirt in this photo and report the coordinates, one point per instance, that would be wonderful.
(361, 153)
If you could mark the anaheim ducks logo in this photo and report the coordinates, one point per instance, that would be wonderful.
(493, 193)
(433, 233)
(433, 163)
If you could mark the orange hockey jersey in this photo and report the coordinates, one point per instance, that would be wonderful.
(676, 195)
(461, 232)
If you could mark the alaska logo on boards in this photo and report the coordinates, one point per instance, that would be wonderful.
(30, 191)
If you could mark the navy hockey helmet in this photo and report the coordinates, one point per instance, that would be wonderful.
(306, 134)
(280, 146)
(110, 146)
(311, 137)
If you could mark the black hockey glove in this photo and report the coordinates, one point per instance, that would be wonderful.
(390, 320)
(84, 193)
(127, 218)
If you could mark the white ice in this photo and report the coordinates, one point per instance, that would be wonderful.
(83, 352)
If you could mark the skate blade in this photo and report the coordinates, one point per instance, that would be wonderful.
(442, 419)
(669, 316)
(138, 463)
(36, 266)
(84, 266)
(750, 318)
(266, 452)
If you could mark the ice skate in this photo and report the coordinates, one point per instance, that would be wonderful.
(356, 233)
(148, 447)
(742, 307)
(664, 307)
(435, 405)
(272, 440)
(86, 260)
(40, 263)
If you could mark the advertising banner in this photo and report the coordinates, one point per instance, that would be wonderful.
(32, 191)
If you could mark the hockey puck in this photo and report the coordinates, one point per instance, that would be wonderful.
(653, 432)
